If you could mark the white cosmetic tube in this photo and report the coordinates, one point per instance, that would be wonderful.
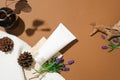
(56, 41)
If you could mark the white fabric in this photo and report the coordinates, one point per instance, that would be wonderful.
(9, 67)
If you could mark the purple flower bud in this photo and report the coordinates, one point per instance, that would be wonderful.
(103, 37)
(115, 40)
(65, 69)
(71, 62)
(58, 60)
(104, 47)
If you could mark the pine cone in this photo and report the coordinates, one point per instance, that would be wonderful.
(6, 44)
(25, 60)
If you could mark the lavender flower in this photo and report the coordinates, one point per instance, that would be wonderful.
(71, 62)
(103, 37)
(115, 40)
(65, 69)
(104, 47)
(58, 60)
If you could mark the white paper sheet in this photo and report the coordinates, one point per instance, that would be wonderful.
(9, 67)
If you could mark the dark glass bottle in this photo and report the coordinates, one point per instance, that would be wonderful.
(7, 18)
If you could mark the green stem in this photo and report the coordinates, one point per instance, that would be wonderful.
(45, 69)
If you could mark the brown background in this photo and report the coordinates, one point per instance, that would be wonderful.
(91, 62)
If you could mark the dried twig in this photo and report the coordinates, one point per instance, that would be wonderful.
(37, 76)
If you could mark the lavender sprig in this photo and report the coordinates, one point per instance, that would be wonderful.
(112, 44)
(54, 65)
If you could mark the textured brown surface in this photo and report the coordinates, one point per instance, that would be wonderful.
(92, 63)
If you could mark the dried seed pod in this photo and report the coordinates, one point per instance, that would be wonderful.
(22, 5)
(25, 60)
(6, 44)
